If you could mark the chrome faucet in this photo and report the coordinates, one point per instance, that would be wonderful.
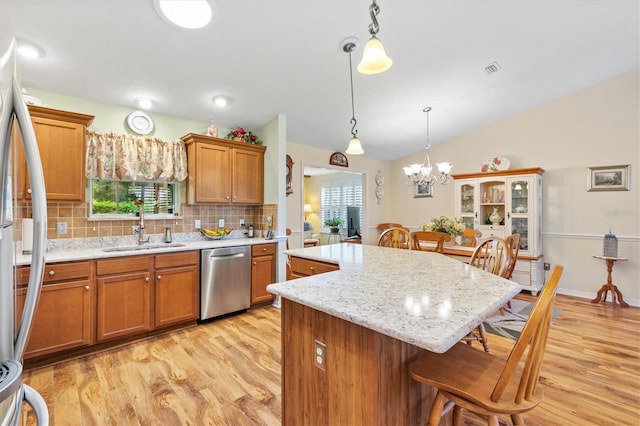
(141, 239)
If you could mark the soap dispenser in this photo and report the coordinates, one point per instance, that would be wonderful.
(167, 234)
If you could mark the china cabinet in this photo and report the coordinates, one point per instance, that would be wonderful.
(497, 204)
(224, 171)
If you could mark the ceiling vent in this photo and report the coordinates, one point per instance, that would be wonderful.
(492, 68)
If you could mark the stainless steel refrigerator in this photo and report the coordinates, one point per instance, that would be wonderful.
(13, 335)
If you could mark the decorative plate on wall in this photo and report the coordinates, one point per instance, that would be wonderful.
(140, 122)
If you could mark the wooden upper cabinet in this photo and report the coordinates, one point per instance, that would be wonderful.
(61, 141)
(224, 171)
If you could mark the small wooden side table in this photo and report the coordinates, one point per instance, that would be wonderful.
(608, 286)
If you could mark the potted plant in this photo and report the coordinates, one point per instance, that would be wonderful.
(334, 223)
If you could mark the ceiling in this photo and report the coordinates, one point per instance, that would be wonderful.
(285, 57)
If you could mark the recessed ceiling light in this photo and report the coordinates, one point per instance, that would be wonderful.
(144, 103)
(221, 100)
(29, 49)
(189, 14)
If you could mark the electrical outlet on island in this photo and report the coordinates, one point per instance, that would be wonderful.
(221, 223)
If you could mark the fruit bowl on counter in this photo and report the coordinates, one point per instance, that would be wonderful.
(215, 234)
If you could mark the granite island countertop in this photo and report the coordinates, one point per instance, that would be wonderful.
(73, 249)
(423, 298)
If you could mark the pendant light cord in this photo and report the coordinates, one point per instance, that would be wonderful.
(353, 120)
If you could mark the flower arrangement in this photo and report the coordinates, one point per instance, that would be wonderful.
(451, 226)
(245, 135)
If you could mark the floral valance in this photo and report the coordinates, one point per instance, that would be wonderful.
(131, 157)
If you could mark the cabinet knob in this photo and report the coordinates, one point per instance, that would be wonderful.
(255, 263)
(159, 277)
(52, 273)
(264, 249)
(146, 279)
(86, 287)
(312, 269)
(235, 196)
(29, 191)
(227, 197)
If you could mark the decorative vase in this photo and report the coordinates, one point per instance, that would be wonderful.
(495, 217)
(237, 139)
(335, 230)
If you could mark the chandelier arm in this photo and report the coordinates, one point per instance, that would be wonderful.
(374, 10)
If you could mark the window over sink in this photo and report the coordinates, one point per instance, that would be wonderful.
(115, 199)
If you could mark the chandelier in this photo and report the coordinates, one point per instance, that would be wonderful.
(420, 174)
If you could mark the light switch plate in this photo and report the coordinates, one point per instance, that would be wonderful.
(269, 219)
(61, 228)
(221, 223)
(198, 224)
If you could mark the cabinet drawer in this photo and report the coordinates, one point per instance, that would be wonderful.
(310, 267)
(57, 272)
(177, 259)
(119, 265)
(263, 249)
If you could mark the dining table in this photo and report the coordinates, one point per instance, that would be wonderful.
(349, 335)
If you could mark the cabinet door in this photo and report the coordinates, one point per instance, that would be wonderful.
(63, 319)
(521, 210)
(124, 304)
(466, 203)
(212, 174)
(176, 292)
(248, 177)
(262, 274)
(61, 146)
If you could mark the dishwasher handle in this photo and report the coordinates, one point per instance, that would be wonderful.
(225, 256)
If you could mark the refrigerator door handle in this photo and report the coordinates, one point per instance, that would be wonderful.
(39, 208)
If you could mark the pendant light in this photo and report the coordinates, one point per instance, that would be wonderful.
(420, 174)
(354, 148)
(374, 58)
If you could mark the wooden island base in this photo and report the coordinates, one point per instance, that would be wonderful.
(366, 379)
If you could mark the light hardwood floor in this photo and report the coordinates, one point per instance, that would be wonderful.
(228, 372)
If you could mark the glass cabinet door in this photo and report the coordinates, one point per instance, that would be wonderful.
(466, 204)
(520, 190)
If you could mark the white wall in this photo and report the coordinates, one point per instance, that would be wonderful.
(596, 126)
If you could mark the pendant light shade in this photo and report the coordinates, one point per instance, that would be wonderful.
(374, 58)
(354, 147)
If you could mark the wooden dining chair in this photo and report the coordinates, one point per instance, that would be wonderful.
(396, 238)
(513, 245)
(492, 255)
(385, 226)
(469, 237)
(486, 384)
(288, 267)
(438, 238)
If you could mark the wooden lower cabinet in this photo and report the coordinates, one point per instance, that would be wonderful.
(139, 293)
(124, 296)
(176, 288)
(90, 302)
(301, 267)
(263, 272)
(65, 315)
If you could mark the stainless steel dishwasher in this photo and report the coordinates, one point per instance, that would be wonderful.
(225, 281)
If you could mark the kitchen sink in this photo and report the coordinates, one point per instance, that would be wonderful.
(143, 247)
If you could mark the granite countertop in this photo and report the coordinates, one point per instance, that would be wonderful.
(70, 249)
(423, 298)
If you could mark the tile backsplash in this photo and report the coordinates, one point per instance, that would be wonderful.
(78, 226)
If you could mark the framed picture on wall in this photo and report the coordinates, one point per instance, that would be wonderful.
(338, 159)
(609, 178)
(422, 191)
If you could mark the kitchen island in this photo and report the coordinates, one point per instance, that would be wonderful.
(367, 321)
